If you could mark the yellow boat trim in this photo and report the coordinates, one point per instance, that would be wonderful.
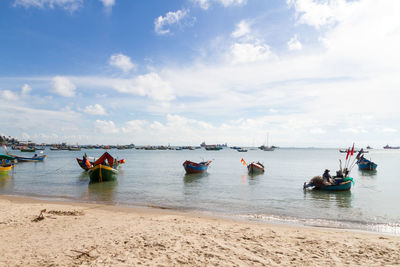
(6, 169)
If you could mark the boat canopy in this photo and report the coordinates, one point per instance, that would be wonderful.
(3, 156)
(103, 158)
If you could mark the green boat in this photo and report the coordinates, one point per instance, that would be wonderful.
(28, 149)
(102, 173)
(104, 169)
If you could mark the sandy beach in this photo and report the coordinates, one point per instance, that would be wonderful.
(95, 235)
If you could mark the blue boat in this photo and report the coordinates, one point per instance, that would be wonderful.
(341, 184)
(193, 167)
(35, 158)
(364, 164)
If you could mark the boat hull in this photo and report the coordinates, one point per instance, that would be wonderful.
(255, 168)
(101, 173)
(368, 166)
(5, 169)
(344, 186)
(33, 159)
(193, 167)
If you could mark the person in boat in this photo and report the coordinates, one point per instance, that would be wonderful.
(339, 174)
(327, 177)
(35, 156)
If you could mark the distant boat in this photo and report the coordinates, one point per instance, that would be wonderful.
(213, 147)
(241, 150)
(104, 169)
(193, 167)
(74, 148)
(391, 147)
(267, 147)
(364, 164)
(28, 149)
(255, 167)
(368, 147)
(55, 148)
(355, 151)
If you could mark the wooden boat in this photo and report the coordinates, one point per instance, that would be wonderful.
(364, 164)
(55, 148)
(193, 167)
(35, 158)
(104, 169)
(213, 147)
(5, 169)
(28, 149)
(102, 173)
(255, 167)
(7, 163)
(341, 184)
(74, 148)
(86, 166)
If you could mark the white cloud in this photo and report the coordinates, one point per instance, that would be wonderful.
(249, 52)
(69, 5)
(205, 4)
(106, 127)
(227, 3)
(108, 3)
(161, 23)
(317, 131)
(26, 89)
(122, 62)
(317, 13)
(63, 86)
(242, 29)
(389, 130)
(95, 109)
(9, 95)
(294, 44)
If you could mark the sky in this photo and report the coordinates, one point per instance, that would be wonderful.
(307, 73)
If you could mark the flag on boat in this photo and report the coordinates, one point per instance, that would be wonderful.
(352, 150)
(348, 153)
(5, 148)
(244, 162)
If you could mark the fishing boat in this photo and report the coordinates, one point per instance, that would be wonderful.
(193, 167)
(74, 148)
(7, 163)
(28, 149)
(87, 162)
(213, 147)
(340, 184)
(365, 164)
(55, 148)
(391, 147)
(255, 167)
(5, 169)
(241, 149)
(104, 169)
(35, 158)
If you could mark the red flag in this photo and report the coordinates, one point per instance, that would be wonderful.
(352, 150)
(244, 162)
(348, 153)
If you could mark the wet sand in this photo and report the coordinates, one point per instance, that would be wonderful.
(95, 235)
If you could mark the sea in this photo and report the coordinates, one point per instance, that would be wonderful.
(156, 178)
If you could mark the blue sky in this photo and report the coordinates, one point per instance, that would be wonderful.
(309, 72)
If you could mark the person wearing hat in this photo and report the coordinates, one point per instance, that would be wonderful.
(326, 176)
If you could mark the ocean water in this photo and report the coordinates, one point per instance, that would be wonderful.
(157, 179)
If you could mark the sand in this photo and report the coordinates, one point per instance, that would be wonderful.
(81, 234)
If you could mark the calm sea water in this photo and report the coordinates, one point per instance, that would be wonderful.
(157, 178)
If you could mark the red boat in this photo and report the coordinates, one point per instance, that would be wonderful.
(255, 167)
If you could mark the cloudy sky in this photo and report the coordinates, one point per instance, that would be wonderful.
(320, 73)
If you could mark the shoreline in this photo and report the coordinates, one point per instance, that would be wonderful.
(99, 234)
(376, 228)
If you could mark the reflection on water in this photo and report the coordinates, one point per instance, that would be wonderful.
(84, 177)
(254, 178)
(367, 172)
(193, 177)
(342, 199)
(103, 192)
(5, 180)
